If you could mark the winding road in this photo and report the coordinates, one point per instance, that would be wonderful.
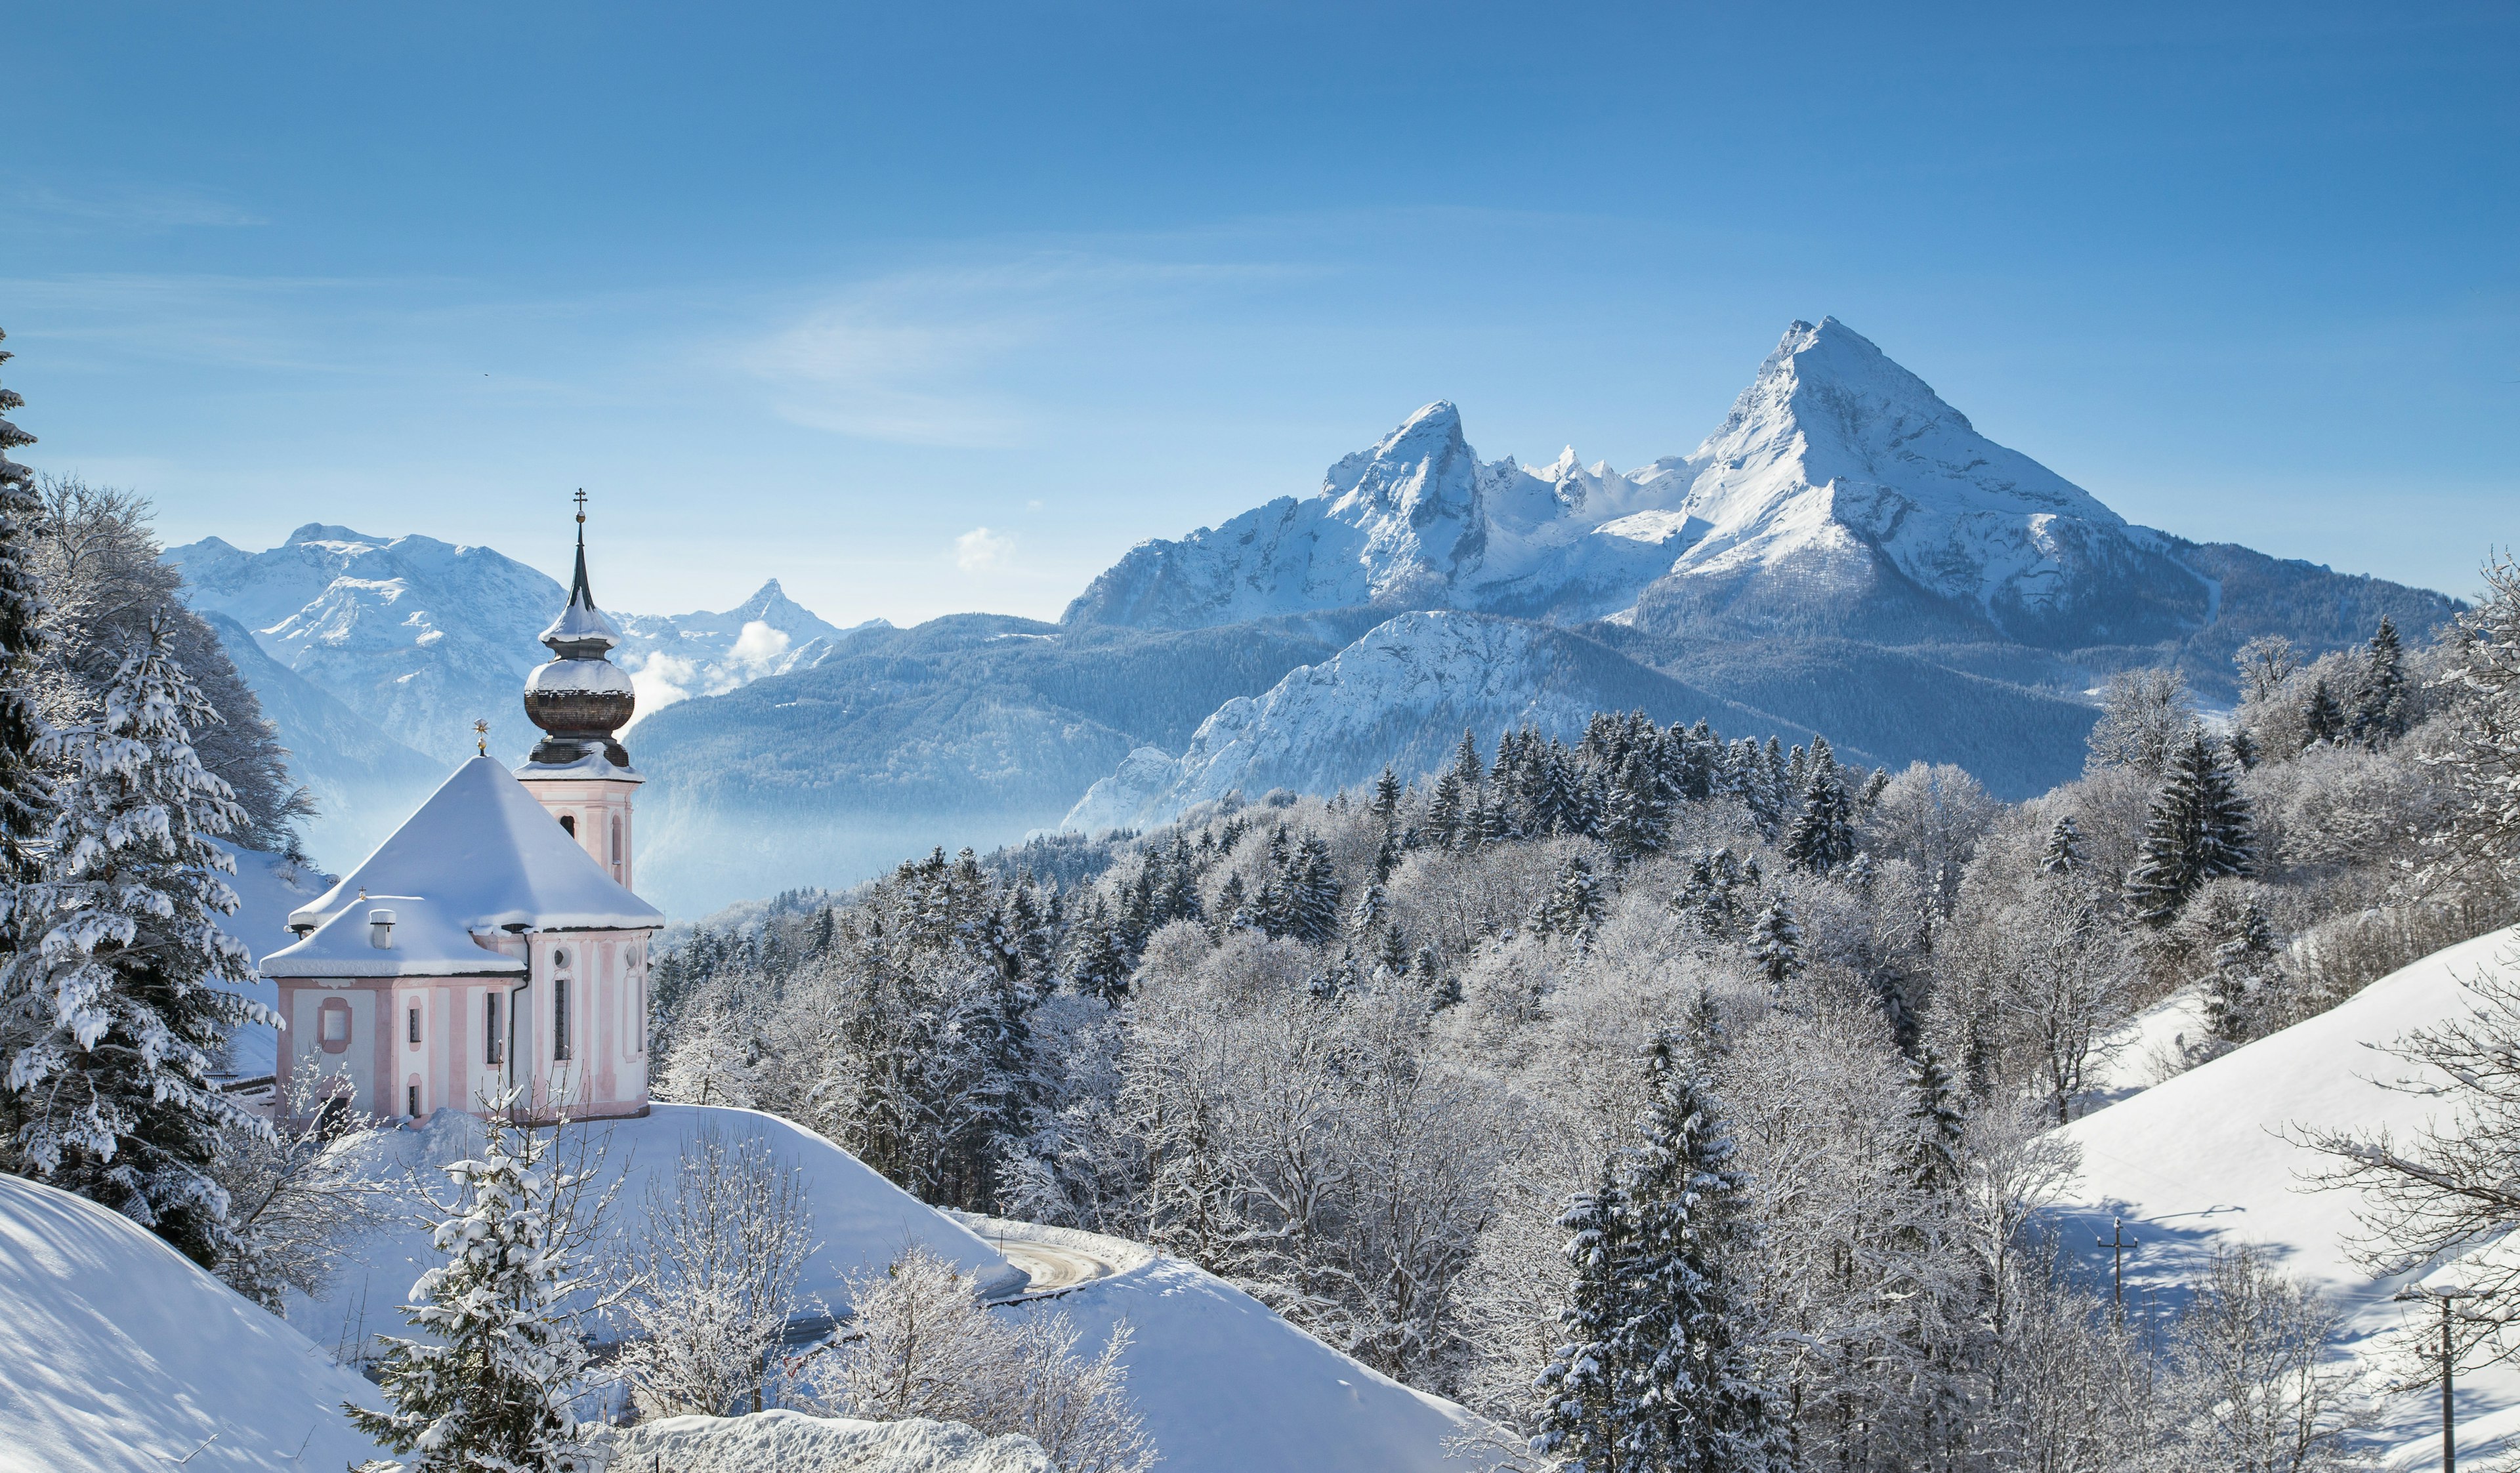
(1054, 1266)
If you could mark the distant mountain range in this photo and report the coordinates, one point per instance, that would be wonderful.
(1844, 555)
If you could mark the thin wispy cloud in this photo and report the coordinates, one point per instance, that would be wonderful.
(131, 207)
(918, 357)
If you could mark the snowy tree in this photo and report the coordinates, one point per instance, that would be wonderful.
(2482, 759)
(2198, 830)
(711, 1061)
(121, 1001)
(2322, 717)
(25, 796)
(1639, 819)
(1662, 1376)
(2380, 714)
(919, 1343)
(2065, 851)
(1574, 907)
(2243, 964)
(1777, 945)
(1821, 836)
(2255, 1386)
(299, 1196)
(712, 1280)
(492, 1386)
(2143, 715)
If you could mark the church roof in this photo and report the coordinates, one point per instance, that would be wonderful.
(421, 942)
(486, 855)
(581, 632)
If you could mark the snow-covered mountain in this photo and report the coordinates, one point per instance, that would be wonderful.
(1839, 490)
(674, 658)
(1402, 695)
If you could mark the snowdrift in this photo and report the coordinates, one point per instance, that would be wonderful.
(861, 1219)
(790, 1442)
(2205, 1159)
(117, 1353)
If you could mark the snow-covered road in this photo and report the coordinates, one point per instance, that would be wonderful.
(1054, 1266)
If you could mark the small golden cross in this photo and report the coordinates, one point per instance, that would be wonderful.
(482, 738)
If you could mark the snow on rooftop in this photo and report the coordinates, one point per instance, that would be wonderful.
(486, 855)
(417, 938)
(119, 1355)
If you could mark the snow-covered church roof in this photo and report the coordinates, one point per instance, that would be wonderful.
(483, 853)
(416, 939)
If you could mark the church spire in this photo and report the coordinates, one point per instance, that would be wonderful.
(579, 698)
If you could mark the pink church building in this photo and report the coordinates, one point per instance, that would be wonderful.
(493, 943)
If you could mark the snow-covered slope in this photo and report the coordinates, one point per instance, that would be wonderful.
(1840, 489)
(860, 1218)
(1401, 694)
(1226, 1386)
(2210, 1157)
(792, 1442)
(118, 1355)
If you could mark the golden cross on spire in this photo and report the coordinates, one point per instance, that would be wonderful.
(580, 499)
(482, 738)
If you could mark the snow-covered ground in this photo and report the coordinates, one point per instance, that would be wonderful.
(1225, 1385)
(2144, 1051)
(2210, 1157)
(861, 1219)
(118, 1355)
(790, 1442)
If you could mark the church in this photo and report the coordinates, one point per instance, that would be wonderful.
(493, 944)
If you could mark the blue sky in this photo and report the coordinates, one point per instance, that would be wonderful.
(823, 292)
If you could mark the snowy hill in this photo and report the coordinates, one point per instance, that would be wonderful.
(118, 1355)
(2202, 1158)
(1401, 694)
(860, 1218)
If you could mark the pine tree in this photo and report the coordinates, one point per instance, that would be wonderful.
(1777, 945)
(2380, 716)
(1443, 810)
(1659, 1374)
(1386, 797)
(117, 1016)
(2198, 830)
(2065, 851)
(1574, 904)
(1100, 964)
(1313, 894)
(1469, 769)
(1823, 835)
(1640, 820)
(1391, 955)
(26, 797)
(2242, 964)
(492, 1389)
(1934, 1111)
(2322, 720)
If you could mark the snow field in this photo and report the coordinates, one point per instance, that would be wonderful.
(790, 1442)
(117, 1353)
(2209, 1157)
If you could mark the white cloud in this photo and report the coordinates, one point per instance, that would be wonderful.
(758, 645)
(981, 551)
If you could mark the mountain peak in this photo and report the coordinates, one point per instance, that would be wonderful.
(318, 531)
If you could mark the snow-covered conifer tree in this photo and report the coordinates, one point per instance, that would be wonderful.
(2065, 851)
(2198, 830)
(2323, 719)
(491, 1392)
(1639, 819)
(1386, 797)
(1823, 834)
(2380, 715)
(1660, 1373)
(26, 797)
(1574, 904)
(1776, 944)
(2242, 964)
(122, 998)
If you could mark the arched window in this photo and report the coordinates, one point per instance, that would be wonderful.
(616, 841)
(333, 1025)
(569, 820)
(560, 1018)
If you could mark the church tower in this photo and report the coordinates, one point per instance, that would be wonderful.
(579, 771)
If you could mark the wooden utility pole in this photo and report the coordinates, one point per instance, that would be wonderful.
(2119, 1245)
(2449, 1295)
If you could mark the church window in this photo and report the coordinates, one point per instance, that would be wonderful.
(559, 1018)
(495, 1049)
(414, 1022)
(411, 1101)
(333, 1025)
(569, 820)
(616, 841)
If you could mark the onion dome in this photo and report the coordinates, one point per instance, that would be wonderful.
(579, 699)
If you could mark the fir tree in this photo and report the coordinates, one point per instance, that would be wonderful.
(1443, 810)
(2380, 716)
(1469, 769)
(1823, 835)
(1100, 966)
(1638, 819)
(26, 797)
(1311, 892)
(2198, 830)
(490, 1392)
(1386, 797)
(2322, 720)
(1574, 904)
(2065, 851)
(1391, 955)
(1777, 945)
(2242, 964)
(1659, 1374)
(1934, 1111)
(121, 1001)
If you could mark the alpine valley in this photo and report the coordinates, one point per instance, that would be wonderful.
(1844, 556)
